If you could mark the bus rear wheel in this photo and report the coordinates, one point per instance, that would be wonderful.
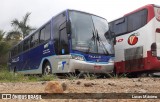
(47, 70)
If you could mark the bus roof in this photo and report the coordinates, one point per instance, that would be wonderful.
(146, 6)
(150, 9)
(49, 21)
(86, 13)
(149, 6)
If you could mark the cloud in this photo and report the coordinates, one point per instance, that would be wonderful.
(43, 10)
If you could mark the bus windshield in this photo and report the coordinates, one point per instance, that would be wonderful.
(88, 33)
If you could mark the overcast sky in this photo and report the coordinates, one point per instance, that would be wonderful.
(43, 10)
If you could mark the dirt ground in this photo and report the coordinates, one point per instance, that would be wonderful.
(109, 85)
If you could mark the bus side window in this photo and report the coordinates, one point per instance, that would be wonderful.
(47, 32)
(119, 27)
(32, 41)
(11, 53)
(26, 44)
(42, 35)
(15, 51)
(137, 20)
(20, 48)
(36, 38)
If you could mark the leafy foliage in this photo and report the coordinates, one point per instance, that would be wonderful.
(1, 35)
(14, 35)
(20, 28)
(19, 31)
(4, 48)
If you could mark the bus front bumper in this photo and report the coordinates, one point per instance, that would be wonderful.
(91, 67)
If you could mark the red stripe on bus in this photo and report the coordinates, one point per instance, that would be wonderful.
(150, 9)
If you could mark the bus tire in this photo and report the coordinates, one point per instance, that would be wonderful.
(15, 70)
(47, 70)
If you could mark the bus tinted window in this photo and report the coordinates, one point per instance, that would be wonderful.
(34, 39)
(47, 31)
(15, 51)
(26, 45)
(119, 26)
(20, 48)
(42, 35)
(12, 53)
(137, 20)
(129, 23)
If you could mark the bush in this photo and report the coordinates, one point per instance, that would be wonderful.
(6, 76)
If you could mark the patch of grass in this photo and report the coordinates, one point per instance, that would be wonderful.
(124, 75)
(90, 76)
(72, 76)
(32, 78)
(6, 76)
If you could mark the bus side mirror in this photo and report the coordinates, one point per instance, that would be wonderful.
(68, 26)
(110, 35)
(114, 37)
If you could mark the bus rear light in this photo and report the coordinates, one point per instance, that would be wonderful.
(154, 53)
(158, 30)
(154, 49)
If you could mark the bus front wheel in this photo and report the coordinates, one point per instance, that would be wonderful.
(47, 69)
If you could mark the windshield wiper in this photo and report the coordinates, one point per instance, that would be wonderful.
(100, 41)
(90, 42)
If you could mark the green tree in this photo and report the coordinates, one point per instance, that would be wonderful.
(1, 35)
(14, 35)
(4, 48)
(20, 28)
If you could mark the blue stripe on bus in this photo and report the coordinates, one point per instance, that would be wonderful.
(39, 64)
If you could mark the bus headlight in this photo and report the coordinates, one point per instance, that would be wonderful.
(78, 57)
(111, 60)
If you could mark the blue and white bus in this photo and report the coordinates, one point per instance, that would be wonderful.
(72, 41)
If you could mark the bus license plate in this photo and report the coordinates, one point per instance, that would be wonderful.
(97, 67)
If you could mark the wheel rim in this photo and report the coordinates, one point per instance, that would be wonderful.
(47, 70)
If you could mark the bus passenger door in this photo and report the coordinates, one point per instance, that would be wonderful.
(62, 60)
(158, 41)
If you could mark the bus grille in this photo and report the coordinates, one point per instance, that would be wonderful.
(133, 58)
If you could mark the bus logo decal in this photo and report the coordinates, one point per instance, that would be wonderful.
(46, 46)
(61, 65)
(133, 39)
(46, 51)
(93, 56)
(15, 60)
(119, 40)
